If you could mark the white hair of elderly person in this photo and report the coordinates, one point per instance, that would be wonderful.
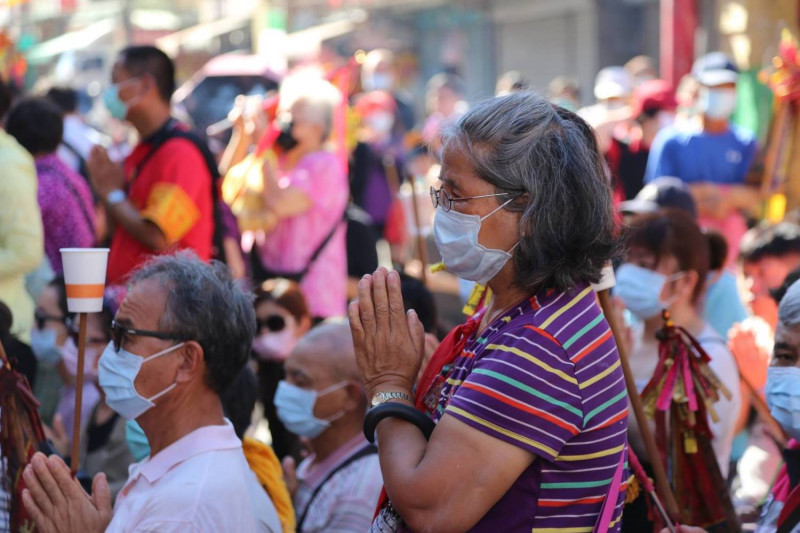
(181, 335)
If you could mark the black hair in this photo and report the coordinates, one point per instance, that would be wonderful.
(151, 61)
(780, 292)
(239, 399)
(36, 124)
(770, 241)
(5, 98)
(718, 247)
(65, 98)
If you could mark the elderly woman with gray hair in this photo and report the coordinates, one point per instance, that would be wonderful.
(527, 397)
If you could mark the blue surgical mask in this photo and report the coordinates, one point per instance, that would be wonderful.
(640, 290)
(114, 104)
(295, 408)
(43, 344)
(117, 371)
(456, 237)
(783, 397)
(137, 441)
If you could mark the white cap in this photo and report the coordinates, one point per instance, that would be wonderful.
(612, 82)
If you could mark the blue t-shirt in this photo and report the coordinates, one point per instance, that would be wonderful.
(723, 306)
(696, 156)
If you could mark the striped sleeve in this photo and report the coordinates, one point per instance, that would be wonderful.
(522, 390)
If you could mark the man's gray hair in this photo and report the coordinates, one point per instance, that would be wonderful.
(548, 158)
(789, 308)
(205, 304)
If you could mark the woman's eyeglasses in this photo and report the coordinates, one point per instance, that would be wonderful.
(440, 197)
(118, 333)
(42, 319)
(273, 323)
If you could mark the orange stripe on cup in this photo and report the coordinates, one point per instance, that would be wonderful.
(85, 291)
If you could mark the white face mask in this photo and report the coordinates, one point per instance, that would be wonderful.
(717, 103)
(275, 346)
(117, 373)
(380, 122)
(456, 237)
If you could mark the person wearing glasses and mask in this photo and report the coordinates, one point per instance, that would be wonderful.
(172, 353)
(335, 488)
(282, 318)
(527, 397)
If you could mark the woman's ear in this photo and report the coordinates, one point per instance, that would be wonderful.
(192, 362)
(303, 326)
(688, 283)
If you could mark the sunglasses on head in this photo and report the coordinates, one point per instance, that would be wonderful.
(273, 323)
(43, 318)
(120, 333)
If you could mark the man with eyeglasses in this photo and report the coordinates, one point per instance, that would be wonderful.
(180, 337)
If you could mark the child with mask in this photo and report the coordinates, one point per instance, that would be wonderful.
(666, 268)
(282, 317)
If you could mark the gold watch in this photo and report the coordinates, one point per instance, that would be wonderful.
(383, 397)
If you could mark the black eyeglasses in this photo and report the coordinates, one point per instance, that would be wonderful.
(118, 332)
(273, 323)
(440, 197)
(43, 318)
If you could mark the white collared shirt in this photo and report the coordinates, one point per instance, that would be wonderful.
(200, 483)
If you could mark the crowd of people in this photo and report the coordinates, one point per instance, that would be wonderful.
(281, 284)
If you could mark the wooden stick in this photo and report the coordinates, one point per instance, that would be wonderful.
(662, 482)
(76, 428)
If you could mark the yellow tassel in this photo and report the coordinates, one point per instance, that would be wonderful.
(633, 490)
(475, 298)
(438, 267)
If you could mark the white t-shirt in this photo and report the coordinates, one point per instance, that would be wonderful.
(200, 483)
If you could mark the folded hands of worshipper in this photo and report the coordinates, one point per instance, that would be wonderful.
(389, 343)
(57, 502)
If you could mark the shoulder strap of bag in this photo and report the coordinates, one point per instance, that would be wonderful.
(610, 503)
(370, 449)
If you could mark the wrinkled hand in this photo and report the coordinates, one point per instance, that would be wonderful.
(104, 174)
(58, 503)
(58, 435)
(389, 343)
(290, 474)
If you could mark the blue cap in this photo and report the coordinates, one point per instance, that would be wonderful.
(714, 69)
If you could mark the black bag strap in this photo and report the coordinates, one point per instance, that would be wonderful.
(83, 167)
(258, 267)
(369, 449)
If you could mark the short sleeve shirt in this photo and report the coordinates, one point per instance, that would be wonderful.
(172, 189)
(546, 376)
(697, 156)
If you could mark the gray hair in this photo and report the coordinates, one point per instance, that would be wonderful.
(206, 305)
(317, 96)
(789, 308)
(549, 158)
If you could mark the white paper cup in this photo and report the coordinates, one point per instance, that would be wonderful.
(85, 278)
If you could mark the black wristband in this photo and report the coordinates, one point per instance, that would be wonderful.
(396, 410)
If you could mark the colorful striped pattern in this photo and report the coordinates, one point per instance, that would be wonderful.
(546, 376)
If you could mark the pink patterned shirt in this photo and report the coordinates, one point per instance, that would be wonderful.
(289, 246)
